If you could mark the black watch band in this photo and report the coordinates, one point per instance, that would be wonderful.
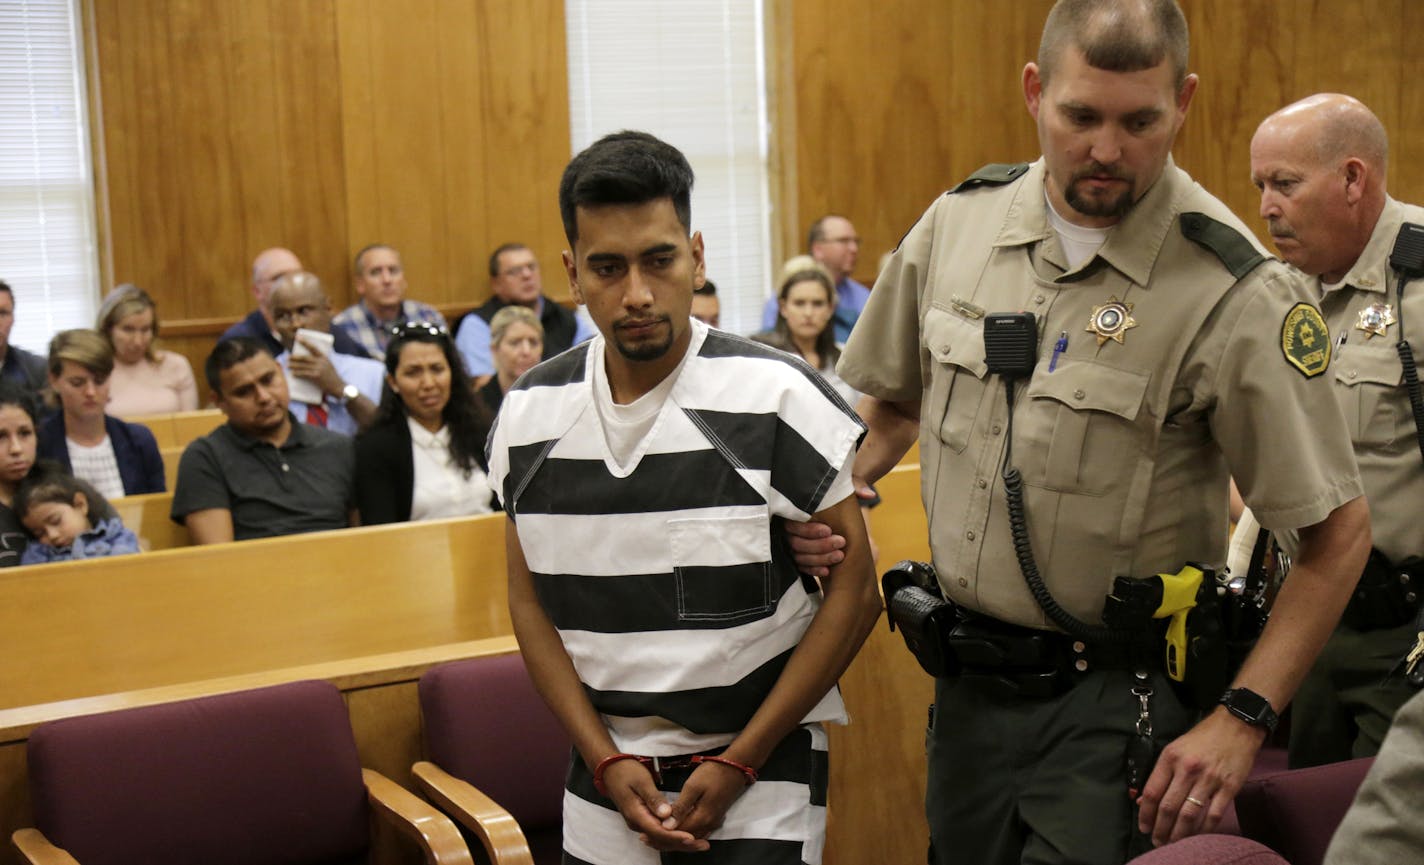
(1250, 707)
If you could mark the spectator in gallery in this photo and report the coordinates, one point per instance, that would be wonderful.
(146, 379)
(68, 519)
(424, 457)
(118, 458)
(16, 364)
(380, 284)
(516, 344)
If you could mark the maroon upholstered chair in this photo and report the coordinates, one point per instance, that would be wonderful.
(250, 778)
(1297, 812)
(498, 757)
(1211, 850)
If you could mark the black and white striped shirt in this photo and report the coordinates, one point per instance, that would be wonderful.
(669, 579)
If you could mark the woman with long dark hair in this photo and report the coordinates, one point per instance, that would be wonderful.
(806, 302)
(423, 456)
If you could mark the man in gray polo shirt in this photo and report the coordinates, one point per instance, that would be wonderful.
(261, 474)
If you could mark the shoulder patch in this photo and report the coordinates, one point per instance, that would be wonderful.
(1225, 242)
(1305, 340)
(993, 174)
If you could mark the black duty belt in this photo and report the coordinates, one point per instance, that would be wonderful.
(1032, 663)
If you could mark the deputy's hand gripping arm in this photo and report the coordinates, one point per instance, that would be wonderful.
(893, 428)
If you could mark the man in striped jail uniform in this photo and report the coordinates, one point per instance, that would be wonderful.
(645, 474)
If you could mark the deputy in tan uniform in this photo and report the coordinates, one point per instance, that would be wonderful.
(1383, 826)
(1171, 351)
(1320, 165)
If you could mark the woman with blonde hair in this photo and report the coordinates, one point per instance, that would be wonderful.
(146, 380)
(516, 346)
(118, 458)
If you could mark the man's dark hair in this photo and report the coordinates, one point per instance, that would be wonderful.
(817, 232)
(356, 262)
(228, 354)
(708, 289)
(5, 287)
(1116, 36)
(501, 250)
(625, 168)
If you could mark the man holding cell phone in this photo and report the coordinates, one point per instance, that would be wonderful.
(327, 389)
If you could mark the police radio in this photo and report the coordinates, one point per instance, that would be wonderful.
(1407, 261)
(1011, 344)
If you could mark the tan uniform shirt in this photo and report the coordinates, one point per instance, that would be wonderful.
(1383, 826)
(1369, 382)
(1125, 447)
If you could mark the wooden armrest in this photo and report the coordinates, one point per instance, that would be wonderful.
(38, 850)
(503, 839)
(438, 837)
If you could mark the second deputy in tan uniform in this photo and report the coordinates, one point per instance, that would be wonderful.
(1320, 164)
(1170, 352)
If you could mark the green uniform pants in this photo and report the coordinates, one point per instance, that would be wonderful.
(1345, 706)
(1019, 781)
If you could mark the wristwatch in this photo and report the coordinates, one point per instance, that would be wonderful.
(349, 393)
(1250, 707)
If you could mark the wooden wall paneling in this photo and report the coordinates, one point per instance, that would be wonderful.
(1240, 82)
(134, 77)
(1406, 135)
(219, 139)
(392, 126)
(468, 131)
(876, 805)
(302, 205)
(1361, 49)
(896, 104)
(527, 135)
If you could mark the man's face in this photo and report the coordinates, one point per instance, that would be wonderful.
(381, 281)
(7, 317)
(839, 249)
(706, 309)
(1105, 135)
(518, 278)
(635, 268)
(295, 307)
(269, 267)
(1302, 200)
(254, 395)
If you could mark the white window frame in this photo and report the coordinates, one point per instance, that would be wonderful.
(693, 73)
(48, 248)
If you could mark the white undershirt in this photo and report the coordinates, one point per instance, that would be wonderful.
(98, 466)
(625, 427)
(441, 487)
(1079, 243)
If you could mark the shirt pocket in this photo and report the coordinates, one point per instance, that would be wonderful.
(722, 568)
(1376, 406)
(956, 347)
(1079, 427)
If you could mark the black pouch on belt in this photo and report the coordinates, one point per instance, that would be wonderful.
(915, 605)
(1387, 595)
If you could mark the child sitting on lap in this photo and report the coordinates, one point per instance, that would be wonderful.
(67, 518)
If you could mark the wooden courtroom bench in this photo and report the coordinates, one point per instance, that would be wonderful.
(171, 454)
(147, 516)
(194, 613)
(176, 429)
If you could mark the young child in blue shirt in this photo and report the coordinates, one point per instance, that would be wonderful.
(67, 518)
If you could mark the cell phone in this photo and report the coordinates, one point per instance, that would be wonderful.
(1011, 343)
